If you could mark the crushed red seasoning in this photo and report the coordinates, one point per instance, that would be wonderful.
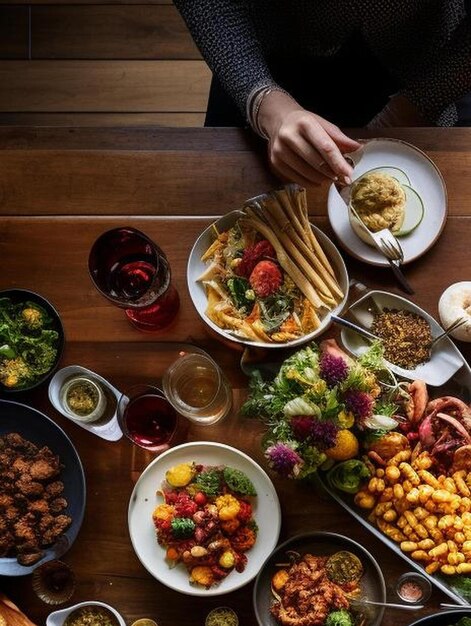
(410, 591)
(406, 337)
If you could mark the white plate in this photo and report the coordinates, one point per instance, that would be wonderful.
(425, 178)
(198, 295)
(266, 508)
(57, 618)
(445, 360)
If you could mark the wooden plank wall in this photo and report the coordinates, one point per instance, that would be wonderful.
(108, 64)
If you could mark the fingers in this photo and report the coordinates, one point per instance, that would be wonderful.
(289, 174)
(345, 143)
(281, 154)
(328, 150)
(311, 158)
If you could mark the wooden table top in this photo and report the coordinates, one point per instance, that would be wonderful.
(59, 189)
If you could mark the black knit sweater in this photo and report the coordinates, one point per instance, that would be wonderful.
(424, 44)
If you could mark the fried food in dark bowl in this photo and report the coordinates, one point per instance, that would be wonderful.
(319, 579)
(42, 490)
(31, 340)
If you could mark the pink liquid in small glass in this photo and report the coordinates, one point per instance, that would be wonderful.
(150, 421)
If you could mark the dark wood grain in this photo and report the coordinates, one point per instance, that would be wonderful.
(103, 119)
(49, 180)
(104, 86)
(110, 32)
(14, 32)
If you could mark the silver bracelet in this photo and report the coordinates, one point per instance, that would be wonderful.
(254, 103)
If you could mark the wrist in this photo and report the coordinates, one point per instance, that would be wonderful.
(274, 108)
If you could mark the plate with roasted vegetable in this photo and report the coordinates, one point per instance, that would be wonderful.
(320, 579)
(203, 517)
(31, 340)
(42, 490)
(264, 276)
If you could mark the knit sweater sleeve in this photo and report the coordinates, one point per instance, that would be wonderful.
(224, 33)
(446, 79)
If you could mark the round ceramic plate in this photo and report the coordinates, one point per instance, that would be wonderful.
(426, 180)
(266, 508)
(319, 544)
(444, 618)
(198, 295)
(42, 431)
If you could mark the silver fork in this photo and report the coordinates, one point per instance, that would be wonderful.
(389, 247)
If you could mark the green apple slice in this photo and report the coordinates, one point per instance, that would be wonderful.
(394, 172)
(413, 212)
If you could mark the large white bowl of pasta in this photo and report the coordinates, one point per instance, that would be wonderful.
(264, 276)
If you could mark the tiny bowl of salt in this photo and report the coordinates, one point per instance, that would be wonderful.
(413, 588)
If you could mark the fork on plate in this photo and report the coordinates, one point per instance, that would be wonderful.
(388, 245)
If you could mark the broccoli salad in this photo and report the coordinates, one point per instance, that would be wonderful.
(28, 343)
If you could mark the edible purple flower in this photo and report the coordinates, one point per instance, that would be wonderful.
(333, 369)
(284, 459)
(359, 403)
(322, 433)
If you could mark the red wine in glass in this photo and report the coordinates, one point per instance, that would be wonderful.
(131, 271)
(147, 418)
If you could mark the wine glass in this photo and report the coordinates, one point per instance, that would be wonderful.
(197, 388)
(131, 271)
(147, 418)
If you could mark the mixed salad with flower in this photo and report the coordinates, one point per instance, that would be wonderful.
(206, 520)
(317, 405)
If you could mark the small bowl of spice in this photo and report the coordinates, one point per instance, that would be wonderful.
(86, 614)
(406, 333)
(222, 616)
(413, 588)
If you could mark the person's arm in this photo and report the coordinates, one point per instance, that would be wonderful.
(224, 33)
(303, 147)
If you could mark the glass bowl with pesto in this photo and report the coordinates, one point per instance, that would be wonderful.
(86, 614)
(83, 398)
(383, 198)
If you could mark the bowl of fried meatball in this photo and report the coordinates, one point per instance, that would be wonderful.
(42, 490)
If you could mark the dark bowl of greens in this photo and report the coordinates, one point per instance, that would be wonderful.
(459, 617)
(31, 340)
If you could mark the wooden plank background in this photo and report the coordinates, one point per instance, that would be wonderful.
(99, 64)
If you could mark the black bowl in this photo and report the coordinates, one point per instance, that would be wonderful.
(444, 618)
(318, 543)
(23, 295)
(42, 431)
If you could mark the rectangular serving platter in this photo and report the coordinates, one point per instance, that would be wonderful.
(458, 385)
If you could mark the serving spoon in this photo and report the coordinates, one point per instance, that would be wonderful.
(341, 321)
(391, 605)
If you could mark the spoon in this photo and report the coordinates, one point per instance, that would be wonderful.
(341, 321)
(391, 605)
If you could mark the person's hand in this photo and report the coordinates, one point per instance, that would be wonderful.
(399, 111)
(303, 147)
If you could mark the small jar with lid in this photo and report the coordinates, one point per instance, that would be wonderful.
(413, 588)
(83, 398)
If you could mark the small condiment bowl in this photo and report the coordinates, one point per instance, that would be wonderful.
(226, 609)
(416, 579)
(58, 617)
(105, 428)
(445, 359)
